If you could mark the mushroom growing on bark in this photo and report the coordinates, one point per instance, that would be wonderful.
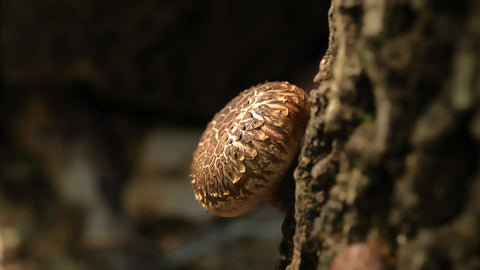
(247, 148)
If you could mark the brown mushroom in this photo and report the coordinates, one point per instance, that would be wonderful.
(248, 147)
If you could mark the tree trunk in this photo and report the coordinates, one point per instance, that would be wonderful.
(389, 173)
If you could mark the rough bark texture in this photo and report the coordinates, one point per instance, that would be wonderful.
(391, 154)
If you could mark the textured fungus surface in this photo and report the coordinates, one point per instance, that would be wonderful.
(247, 148)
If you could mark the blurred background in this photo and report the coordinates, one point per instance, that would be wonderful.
(102, 105)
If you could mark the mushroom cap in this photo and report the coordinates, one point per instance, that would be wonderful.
(248, 147)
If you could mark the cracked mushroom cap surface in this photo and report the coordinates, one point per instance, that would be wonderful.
(247, 148)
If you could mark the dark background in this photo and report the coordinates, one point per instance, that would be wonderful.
(102, 104)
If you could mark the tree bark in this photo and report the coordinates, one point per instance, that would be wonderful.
(390, 161)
